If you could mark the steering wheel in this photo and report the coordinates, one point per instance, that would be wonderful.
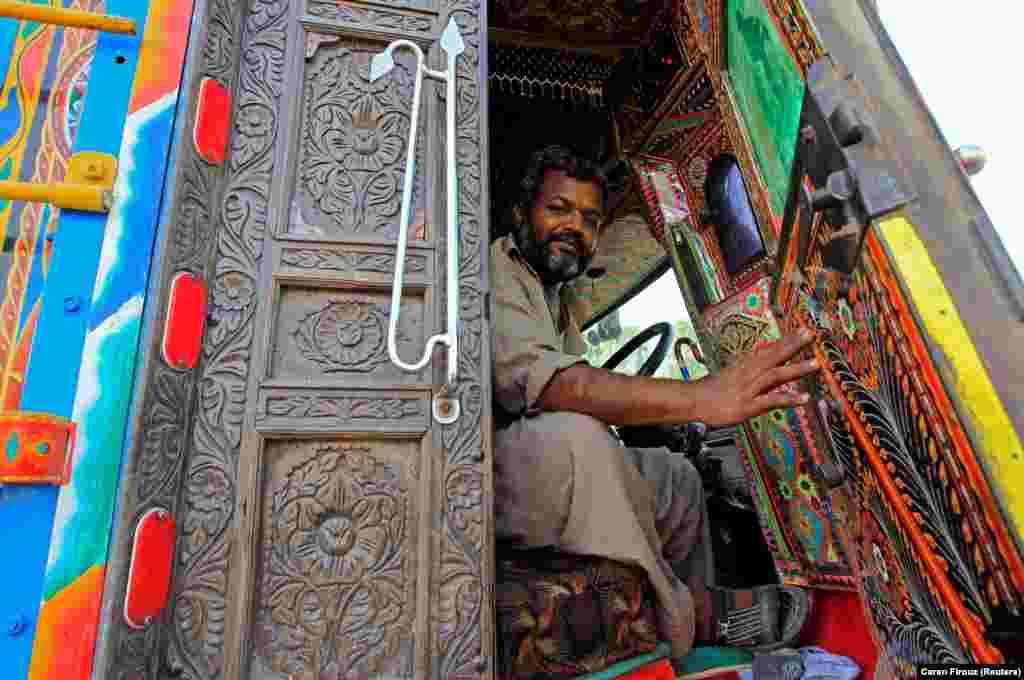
(662, 329)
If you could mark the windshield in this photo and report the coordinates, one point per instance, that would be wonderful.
(659, 301)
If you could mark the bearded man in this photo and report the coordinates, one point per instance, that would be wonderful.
(562, 478)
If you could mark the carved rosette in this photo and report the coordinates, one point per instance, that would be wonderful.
(336, 587)
(345, 335)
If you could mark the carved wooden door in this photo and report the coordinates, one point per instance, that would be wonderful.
(328, 526)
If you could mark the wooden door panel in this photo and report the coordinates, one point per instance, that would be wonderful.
(328, 526)
(351, 144)
(340, 551)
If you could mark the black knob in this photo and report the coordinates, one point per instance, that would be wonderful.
(833, 474)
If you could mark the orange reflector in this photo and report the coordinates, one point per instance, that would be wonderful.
(36, 448)
(149, 573)
(186, 321)
(213, 116)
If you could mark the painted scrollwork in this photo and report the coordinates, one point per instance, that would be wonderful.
(334, 596)
(916, 507)
(354, 142)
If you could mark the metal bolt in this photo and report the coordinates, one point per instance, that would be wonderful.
(72, 304)
(17, 625)
(808, 135)
(149, 620)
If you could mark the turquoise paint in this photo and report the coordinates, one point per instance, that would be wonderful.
(12, 447)
(82, 533)
(87, 532)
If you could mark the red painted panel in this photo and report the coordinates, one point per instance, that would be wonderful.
(656, 670)
(186, 320)
(35, 448)
(213, 118)
(149, 577)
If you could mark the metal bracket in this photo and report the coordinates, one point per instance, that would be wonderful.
(35, 448)
(71, 18)
(446, 406)
(88, 185)
(855, 178)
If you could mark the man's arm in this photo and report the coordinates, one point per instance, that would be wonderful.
(746, 389)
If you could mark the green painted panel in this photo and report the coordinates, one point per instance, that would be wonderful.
(768, 90)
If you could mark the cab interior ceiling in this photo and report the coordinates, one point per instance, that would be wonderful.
(574, 72)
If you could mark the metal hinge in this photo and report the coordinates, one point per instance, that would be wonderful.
(855, 178)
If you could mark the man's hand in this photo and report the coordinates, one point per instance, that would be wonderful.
(744, 390)
(749, 387)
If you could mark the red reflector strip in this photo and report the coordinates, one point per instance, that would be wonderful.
(213, 118)
(149, 576)
(186, 321)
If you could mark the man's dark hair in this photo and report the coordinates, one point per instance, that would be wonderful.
(557, 157)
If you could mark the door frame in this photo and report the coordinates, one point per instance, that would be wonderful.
(156, 470)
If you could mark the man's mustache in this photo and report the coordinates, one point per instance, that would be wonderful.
(574, 241)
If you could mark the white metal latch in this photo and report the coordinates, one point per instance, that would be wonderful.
(446, 404)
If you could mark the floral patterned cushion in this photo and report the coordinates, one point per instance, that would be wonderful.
(560, 616)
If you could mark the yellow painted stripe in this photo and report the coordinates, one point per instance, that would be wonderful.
(1000, 446)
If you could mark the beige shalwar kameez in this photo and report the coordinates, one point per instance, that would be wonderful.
(564, 480)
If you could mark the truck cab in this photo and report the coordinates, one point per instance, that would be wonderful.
(248, 386)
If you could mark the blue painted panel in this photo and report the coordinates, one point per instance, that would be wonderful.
(26, 515)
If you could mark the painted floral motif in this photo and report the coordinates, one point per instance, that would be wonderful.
(807, 486)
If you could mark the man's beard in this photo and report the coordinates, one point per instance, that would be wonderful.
(553, 266)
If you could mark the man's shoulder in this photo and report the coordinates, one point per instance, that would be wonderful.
(503, 263)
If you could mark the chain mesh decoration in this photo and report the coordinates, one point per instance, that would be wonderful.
(542, 73)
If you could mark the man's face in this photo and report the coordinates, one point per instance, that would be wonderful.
(559, 236)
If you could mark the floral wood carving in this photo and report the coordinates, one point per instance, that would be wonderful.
(338, 260)
(336, 591)
(354, 142)
(198, 609)
(465, 621)
(340, 409)
(339, 10)
(344, 335)
(154, 467)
